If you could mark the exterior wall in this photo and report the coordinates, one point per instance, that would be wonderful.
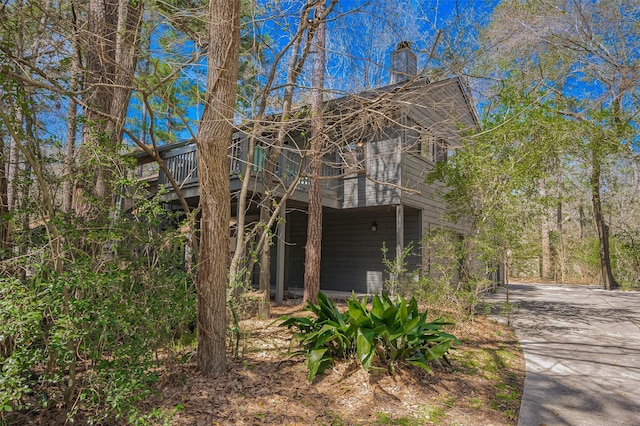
(351, 255)
(442, 108)
(414, 173)
(413, 231)
(351, 251)
(382, 164)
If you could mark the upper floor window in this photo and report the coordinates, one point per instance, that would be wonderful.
(354, 157)
(432, 148)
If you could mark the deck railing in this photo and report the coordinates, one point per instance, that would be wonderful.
(182, 163)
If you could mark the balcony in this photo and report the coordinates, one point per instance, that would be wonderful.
(182, 162)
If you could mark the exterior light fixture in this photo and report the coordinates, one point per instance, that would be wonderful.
(360, 144)
(374, 226)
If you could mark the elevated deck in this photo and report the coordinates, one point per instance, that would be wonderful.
(343, 185)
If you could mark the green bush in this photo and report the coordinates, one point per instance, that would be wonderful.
(390, 332)
(87, 338)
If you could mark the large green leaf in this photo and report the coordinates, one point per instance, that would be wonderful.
(411, 327)
(365, 347)
(377, 307)
(402, 310)
(394, 331)
(438, 350)
(419, 361)
(317, 362)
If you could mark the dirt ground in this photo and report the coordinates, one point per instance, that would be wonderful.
(482, 386)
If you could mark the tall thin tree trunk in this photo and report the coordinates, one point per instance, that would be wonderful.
(13, 169)
(269, 179)
(313, 249)
(214, 136)
(545, 242)
(264, 279)
(70, 143)
(559, 225)
(608, 281)
(300, 51)
(4, 205)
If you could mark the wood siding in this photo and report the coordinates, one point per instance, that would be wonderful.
(414, 173)
(351, 251)
(382, 164)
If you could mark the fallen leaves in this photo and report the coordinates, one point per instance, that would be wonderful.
(265, 389)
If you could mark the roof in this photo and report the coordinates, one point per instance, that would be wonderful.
(443, 100)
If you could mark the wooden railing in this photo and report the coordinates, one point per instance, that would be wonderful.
(182, 163)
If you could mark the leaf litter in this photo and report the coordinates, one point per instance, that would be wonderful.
(265, 387)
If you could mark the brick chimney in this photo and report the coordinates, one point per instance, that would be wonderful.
(404, 63)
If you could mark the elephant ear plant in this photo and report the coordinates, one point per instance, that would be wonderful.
(391, 332)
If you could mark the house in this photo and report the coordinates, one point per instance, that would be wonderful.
(383, 143)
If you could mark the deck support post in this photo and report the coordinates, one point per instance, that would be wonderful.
(399, 241)
(399, 230)
(282, 234)
(424, 229)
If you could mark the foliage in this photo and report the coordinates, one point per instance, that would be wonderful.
(390, 332)
(626, 258)
(89, 335)
(441, 285)
(397, 270)
(577, 117)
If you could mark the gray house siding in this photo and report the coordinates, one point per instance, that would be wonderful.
(381, 163)
(351, 251)
(413, 231)
(426, 197)
(355, 196)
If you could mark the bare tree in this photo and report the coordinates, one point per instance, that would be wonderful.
(557, 47)
(4, 208)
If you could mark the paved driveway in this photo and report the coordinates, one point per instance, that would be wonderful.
(582, 349)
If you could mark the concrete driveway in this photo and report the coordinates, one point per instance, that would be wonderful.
(582, 350)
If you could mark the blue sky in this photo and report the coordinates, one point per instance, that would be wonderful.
(359, 43)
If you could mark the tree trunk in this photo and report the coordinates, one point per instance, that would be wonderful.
(212, 143)
(608, 281)
(313, 249)
(111, 57)
(294, 68)
(4, 205)
(545, 242)
(13, 169)
(264, 307)
(70, 143)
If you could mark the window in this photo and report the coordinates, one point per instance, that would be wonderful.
(432, 148)
(259, 156)
(354, 157)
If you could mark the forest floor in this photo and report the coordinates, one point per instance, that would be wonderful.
(482, 385)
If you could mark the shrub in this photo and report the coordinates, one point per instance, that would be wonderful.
(87, 338)
(390, 332)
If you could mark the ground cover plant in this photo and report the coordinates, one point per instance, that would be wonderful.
(388, 332)
(83, 344)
